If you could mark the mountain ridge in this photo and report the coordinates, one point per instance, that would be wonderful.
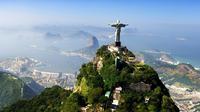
(13, 89)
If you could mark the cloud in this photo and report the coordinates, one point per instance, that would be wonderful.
(51, 35)
(33, 46)
(111, 36)
(181, 39)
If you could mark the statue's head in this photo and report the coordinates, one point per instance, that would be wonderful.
(118, 21)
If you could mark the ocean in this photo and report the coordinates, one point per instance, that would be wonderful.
(185, 50)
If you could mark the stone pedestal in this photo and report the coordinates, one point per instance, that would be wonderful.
(117, 44)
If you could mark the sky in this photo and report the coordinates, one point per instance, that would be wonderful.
(99, 12)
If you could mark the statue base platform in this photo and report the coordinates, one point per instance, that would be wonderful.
(118, 44)
(114, 48)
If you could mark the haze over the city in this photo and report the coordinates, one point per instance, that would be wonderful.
(170, 26)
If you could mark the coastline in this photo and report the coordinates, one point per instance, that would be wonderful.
(194, 63)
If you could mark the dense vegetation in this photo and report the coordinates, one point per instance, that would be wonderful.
(13, 89)
(48, 101)
(93, 83)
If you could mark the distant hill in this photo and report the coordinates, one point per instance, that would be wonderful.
(13, 89)
(32, 84)
(112, 81)
(170, 68)
(87, 52)
(92, 46)
(80, 34)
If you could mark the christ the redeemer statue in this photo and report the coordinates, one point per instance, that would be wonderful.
(118, 27)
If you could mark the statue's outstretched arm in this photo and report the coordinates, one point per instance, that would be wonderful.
(113, 25)
(123, 25)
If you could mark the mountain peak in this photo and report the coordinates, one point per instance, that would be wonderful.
(123, 83)
(113, 81)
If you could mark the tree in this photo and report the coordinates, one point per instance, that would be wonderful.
(73, 103)
(152, 108)
(168, 105)
(94, 95)
(84, 87)
(49, 100)
(110, 76)
(140, 108)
